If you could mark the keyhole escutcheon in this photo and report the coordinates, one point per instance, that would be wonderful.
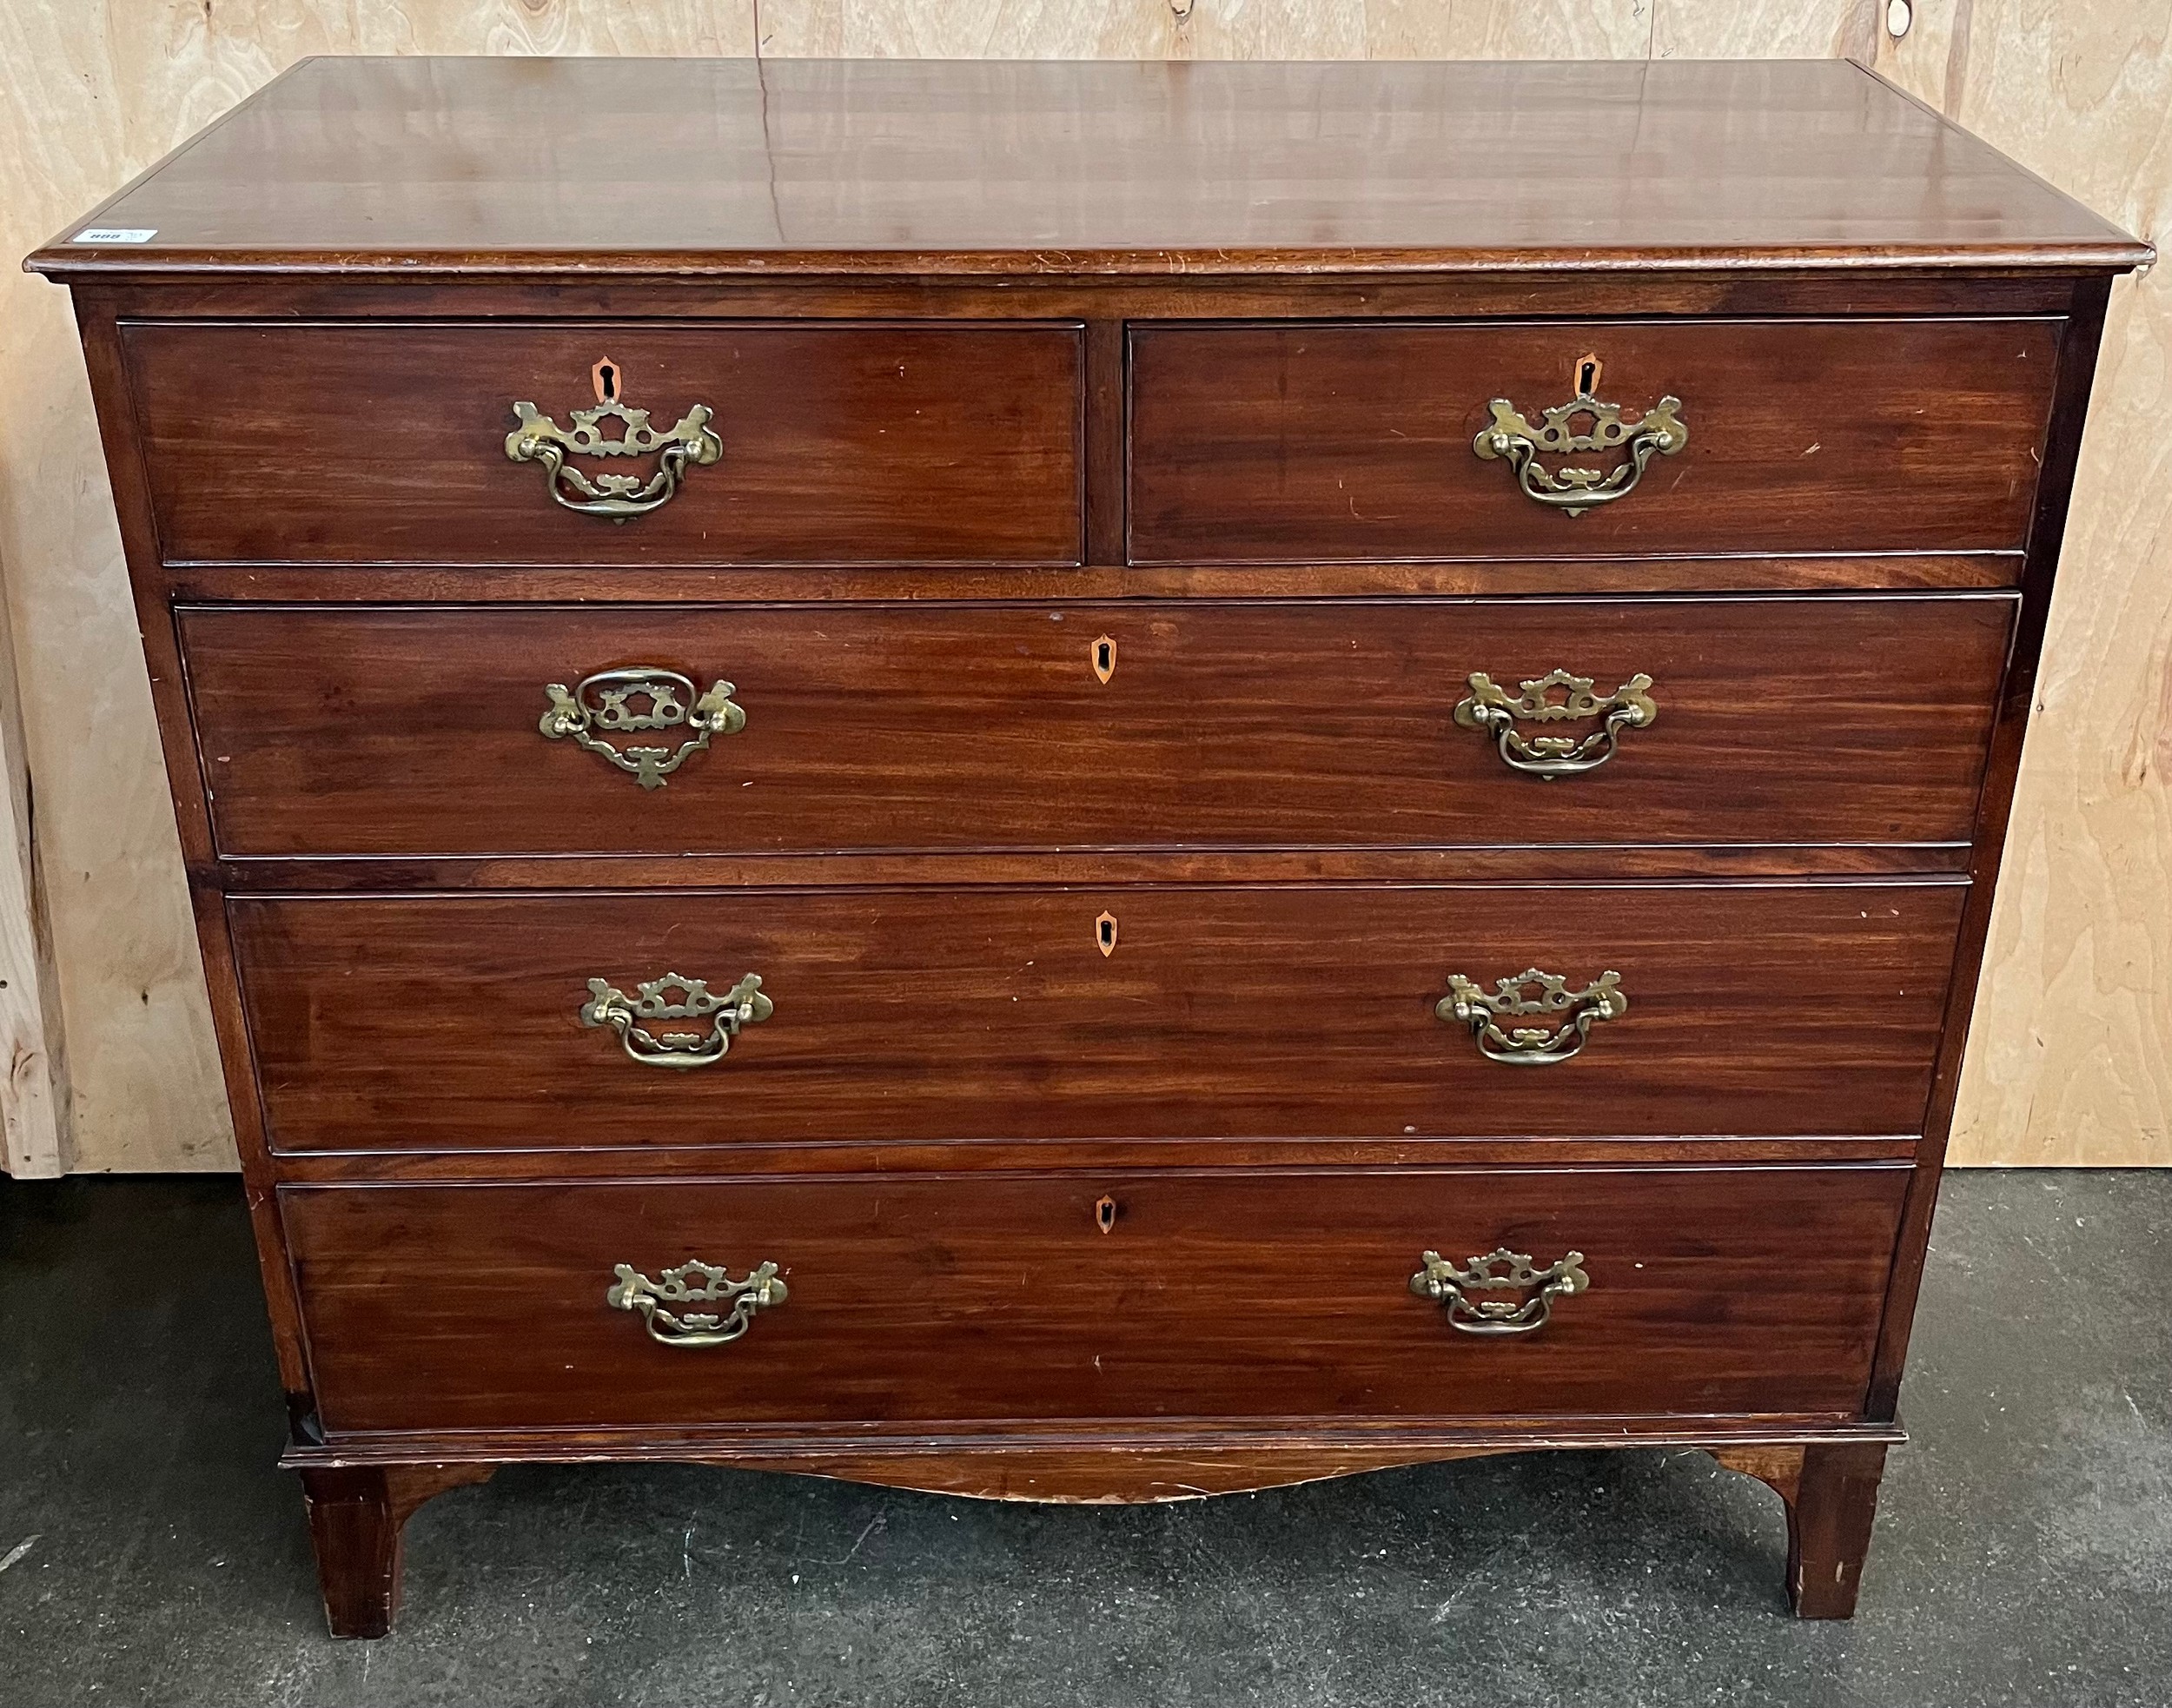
(605, 377)
(1105, 934)
(1105, 1214)
(1104, 658)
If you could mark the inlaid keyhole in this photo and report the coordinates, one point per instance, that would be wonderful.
(1105, 1214)
(605, 377)
(1104, 658)
(1105, 934)
(1587, 372)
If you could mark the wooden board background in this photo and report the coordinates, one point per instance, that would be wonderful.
(2072, 1061)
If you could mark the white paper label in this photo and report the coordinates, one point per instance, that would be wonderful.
(114, 233)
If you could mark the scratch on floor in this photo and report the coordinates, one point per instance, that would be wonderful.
(16, 1553)
(880, 1520)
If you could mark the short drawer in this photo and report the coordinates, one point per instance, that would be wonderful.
(343, 730)
(1330, 442)
(918, 1298)
(932, 1015)
(388, 442)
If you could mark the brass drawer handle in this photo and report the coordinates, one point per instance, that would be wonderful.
(1490, 708)
(744, 1004)
(1509, 437)
(1442, 1283)
(1570, 1015)
(634, 1291)
(538, 438)
(640, 697)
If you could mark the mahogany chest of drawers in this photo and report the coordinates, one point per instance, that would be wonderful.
(1086, 782)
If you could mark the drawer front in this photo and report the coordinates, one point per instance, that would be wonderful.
(1219, 1011)
(344, 730)
(1333, 442)
(388, 442)
(914, 1298)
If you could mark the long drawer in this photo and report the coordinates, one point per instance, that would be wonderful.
(1210, 1011)
(832, 443)
(331, 730)
(918, 1299)
(1312, 443)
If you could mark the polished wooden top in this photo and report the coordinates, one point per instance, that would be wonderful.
(429, 167)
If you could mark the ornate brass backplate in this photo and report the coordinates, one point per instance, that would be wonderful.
(1570, 1013)
(1490, 708)
(538, 438)
(1501, 1271)
(1660, 431)
(744, 1004)
(640, 697)
(634, 1291)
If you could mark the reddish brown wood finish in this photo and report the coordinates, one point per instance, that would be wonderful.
(101, 358)
(469, 584)
(916, 1300)
(356, 1515)
(665, 1163)
(895, 444)
(343, 731)
(883, 168)
(1311, 442)
(2077, 365)
(1089, 1475)
(1803, 231)
(1283, 1010)
(937, 1452)
(1323, 294)
(1569, 864)
(361, 1583)
(1830, 1490)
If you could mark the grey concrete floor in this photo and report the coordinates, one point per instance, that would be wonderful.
(2023, 1552)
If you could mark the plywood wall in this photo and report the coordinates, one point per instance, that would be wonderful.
(2073, 1056)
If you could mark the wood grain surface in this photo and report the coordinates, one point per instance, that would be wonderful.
(356, 1518)
(2072, 1054)
(1210, 29)
(841, 443)
(1222, 1011)
(1022, 167)
(1255, 315)
(37, 1140)
(1830, 1490)
(1323, 442)
(926, 1299)
(331, 731)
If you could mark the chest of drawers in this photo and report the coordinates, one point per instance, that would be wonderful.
(1089, 783)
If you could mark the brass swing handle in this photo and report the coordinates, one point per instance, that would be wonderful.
(634, 1291)
(638, 698)
(1501, 1271)
(1508, 437)
(538, 438)
(1565, 1016)
(744, 1004)
(1492, 709)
